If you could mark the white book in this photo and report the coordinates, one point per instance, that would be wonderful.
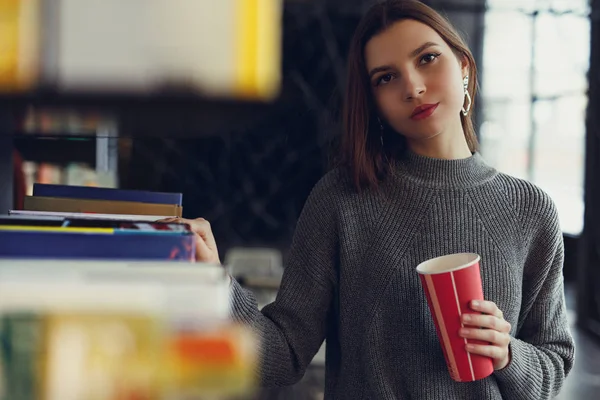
(130, 270)
(112, 217)
(72, 296)
(187, 293)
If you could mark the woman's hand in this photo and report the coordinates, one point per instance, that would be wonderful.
(488, 327)
(206, 247)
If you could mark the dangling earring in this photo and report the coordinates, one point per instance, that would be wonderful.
(380, 131)
(465, 111)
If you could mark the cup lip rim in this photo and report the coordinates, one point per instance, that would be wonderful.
(476, 258)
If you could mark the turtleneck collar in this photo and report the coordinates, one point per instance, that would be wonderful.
(438, 173)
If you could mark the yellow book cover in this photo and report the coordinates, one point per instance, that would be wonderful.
(56, 229)
(19, 44)
(102, 357)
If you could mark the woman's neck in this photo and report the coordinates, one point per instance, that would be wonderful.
(443, 146)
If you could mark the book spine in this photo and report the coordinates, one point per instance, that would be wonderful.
(38, 203)
(24, 244)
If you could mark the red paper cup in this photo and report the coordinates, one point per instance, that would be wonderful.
(451, 282)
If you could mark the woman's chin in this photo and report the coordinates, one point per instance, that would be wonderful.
(423, 135)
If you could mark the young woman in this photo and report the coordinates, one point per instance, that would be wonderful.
(412, 187)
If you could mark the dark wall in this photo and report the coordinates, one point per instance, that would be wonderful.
(252, 184)
(588, 292)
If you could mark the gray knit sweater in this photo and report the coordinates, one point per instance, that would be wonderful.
(351, 281)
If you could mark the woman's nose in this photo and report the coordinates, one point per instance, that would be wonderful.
(414, 87)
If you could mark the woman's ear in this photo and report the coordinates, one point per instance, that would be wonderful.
(464, 65)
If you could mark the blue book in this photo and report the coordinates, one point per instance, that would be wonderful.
(101, 246)
(96, 193)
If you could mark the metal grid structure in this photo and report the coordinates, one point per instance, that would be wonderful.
(535, 97)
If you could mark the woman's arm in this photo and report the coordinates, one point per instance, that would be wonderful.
(542, 351)
(292, 328)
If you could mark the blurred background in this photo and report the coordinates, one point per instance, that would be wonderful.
(236, 105)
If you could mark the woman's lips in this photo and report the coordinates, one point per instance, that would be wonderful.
(423, 111)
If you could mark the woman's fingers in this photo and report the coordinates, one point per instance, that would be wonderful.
(206, 246)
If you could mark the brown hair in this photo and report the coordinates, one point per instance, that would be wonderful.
(362, 150)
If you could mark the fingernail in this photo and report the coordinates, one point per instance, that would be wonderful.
(464, 331)
(470, 347)
(467, 317)
(475, 303)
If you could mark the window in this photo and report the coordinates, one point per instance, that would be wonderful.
(534, 84)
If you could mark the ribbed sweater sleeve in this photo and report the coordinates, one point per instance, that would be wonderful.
(293, 327)
(543, 348)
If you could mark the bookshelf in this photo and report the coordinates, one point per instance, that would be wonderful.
(201, 68)
(173, 114)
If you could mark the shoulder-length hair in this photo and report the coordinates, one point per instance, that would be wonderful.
(362, 151)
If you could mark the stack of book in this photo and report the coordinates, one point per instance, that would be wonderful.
(109, 306)
(98, 223)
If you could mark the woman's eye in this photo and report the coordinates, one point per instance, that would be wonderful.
(428, 58)
(384, 79)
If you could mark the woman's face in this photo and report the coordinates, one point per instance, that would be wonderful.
(416, 80)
